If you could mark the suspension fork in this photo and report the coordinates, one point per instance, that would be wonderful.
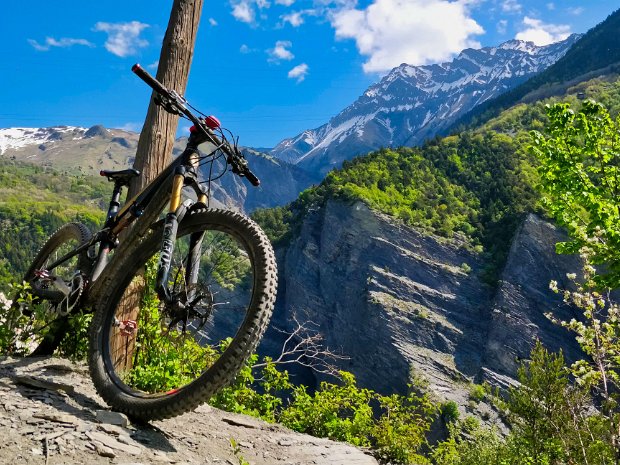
(171, 224)
(193, 257)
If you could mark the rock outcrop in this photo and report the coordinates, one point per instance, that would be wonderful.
(402, 304)
(50, 413)
(523, 297)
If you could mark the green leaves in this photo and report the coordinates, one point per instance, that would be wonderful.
(580, 175)
(394, 426)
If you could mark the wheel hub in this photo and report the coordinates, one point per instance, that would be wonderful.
(197, 310)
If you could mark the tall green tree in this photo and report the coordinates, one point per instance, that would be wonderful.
(580, 175)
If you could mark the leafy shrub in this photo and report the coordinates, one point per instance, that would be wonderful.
(450, 412)
(477, 392)
(340, 412)
(74, 345)
(242, 396)
(161, 359)
(394, 426)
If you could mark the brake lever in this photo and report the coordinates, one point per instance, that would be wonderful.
(166, 104)
(239, 166)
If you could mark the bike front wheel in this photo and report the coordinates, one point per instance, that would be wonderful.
(155, 358)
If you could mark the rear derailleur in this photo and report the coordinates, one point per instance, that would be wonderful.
(62, 295)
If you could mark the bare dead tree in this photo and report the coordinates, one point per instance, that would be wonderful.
(305, 346)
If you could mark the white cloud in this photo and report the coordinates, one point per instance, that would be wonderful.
(245, 10)
(299, 72)
(511, 6)
(281, 51)
(62, 43)
(153, 65)
(550, 6)
(131, 126)
(285, 2)
(542, 33)
(212, 22)
(576, 10)
(244, 49)
(123, 38)
(295, 18)
(391, 32)
(502, 25)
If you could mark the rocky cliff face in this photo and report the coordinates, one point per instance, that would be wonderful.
(404, 304)
(517, 316)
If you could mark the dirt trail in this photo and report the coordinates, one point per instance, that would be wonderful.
(51, 415)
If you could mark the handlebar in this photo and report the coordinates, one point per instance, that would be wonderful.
(150, 80)
(233, 157)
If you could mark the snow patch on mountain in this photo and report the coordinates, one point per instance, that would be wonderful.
(414, 103)
(16, 138)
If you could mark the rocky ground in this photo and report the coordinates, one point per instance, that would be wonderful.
(51, 414)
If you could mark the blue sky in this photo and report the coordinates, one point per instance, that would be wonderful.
(266, 68)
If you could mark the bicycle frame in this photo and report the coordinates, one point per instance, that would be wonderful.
(183, 171)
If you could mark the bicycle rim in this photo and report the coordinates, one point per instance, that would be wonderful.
(154, 349)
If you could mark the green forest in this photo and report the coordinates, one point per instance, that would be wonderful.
(35, 202)
(476, 185)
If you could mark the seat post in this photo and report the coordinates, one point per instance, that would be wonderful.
(115, 203)
(121, 178)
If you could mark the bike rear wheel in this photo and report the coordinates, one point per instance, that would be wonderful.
(154, 360)
(40, 312)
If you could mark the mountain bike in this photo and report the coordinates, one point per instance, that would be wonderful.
(179, 301)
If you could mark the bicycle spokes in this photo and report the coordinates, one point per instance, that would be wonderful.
(175, 340)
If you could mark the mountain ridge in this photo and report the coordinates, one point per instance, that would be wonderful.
(413, 103)
(596, 50)
(86, 151)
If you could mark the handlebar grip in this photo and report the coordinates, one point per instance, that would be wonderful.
(253, 179)
(150, 80)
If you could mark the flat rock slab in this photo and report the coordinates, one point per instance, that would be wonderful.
(42, 422)
(112, 418)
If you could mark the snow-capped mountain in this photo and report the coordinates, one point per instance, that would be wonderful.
(16, 138)
(414, 103)
(70, 148)
(89, 150)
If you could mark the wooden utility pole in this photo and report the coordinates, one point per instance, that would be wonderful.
(154, 153)
(154, 150)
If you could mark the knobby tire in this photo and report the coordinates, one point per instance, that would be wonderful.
(136, 404)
